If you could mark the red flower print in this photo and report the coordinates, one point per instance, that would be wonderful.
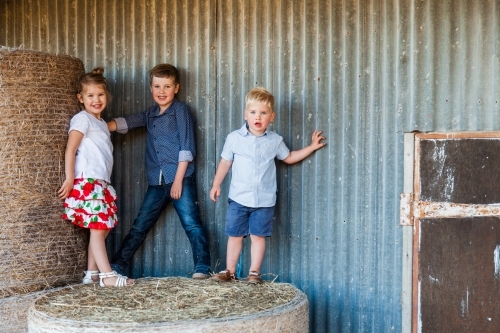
(103, 217)
(79, 210)
(74, 193)
(107, 196)
(64, 216)
(88, 188)
(78, 219)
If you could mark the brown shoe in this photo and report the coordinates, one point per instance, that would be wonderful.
(254, 277)
(224, 276)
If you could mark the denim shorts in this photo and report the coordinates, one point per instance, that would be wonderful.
(242, 220)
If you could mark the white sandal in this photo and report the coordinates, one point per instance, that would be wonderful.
(87, 279)
(121, 281)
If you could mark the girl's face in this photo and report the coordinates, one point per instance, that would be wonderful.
(258, 116)
(163, 91)
(94, 98)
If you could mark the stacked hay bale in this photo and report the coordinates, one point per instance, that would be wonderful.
(172, 305)
(37, 100)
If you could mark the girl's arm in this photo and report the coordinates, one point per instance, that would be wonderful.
(74, 140)
(298, 155)
(222, 170)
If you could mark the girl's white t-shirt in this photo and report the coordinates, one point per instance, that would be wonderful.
(94, 157)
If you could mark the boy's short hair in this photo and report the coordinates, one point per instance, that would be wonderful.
(260, 95)
(164, 71)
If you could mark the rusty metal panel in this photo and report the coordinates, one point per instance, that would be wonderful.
(456, 239)
(458, 275)
(406, 209)
(447, 167)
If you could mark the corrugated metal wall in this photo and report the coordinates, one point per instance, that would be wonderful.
(364, 72)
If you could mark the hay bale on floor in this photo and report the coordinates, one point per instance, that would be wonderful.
(172, 305)
(14, 311)
(37, 100)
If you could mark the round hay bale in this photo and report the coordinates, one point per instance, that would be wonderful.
(14, 311)
(172, 305)
(37, 100)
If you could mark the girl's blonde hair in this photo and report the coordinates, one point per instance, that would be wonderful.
(260, 95)
(95, 77)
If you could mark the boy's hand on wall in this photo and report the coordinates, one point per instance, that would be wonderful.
(316, 140)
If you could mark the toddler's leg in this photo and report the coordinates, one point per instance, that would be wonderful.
(234, 246)
(257, 250)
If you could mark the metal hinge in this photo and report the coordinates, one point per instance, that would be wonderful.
(406, 209)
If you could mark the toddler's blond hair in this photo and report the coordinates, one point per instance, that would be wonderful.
(260, 95)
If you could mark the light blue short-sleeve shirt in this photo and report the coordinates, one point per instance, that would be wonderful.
(253, 180)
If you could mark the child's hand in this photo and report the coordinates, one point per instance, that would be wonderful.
(176, 190)
(65, 189)
(315, 140)
(215, 193)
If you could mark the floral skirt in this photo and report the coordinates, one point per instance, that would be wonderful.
(91, 204)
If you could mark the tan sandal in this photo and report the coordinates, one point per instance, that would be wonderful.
(121, 281)
(254, 277)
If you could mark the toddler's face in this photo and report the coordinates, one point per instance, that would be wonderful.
(258, 116)
(163, 91)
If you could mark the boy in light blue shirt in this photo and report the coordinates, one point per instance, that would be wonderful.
(250, 152)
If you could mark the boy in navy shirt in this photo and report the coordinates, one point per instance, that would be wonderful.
(170, 152)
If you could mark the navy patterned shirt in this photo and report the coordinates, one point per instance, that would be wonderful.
(170, 139)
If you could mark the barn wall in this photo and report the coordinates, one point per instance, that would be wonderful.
(363, 72)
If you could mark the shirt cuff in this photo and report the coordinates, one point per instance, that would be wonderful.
(121, 125)
(185, 156)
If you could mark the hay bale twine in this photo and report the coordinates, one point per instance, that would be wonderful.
(37, 100)
(172, 305)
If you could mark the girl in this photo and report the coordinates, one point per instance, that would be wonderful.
(89, 197)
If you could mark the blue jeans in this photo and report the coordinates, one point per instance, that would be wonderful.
(155, 201)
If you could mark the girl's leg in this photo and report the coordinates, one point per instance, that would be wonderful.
(91, 264)
(234, 245)
(257, 250)
(97, 249)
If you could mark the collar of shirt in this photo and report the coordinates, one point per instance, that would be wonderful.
(244, 131)
(169, 110)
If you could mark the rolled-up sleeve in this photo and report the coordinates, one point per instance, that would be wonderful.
(185, 125)
(121, 125)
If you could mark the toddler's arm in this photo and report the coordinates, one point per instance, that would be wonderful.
(298, 155)
(222, 170)
(74, 140)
